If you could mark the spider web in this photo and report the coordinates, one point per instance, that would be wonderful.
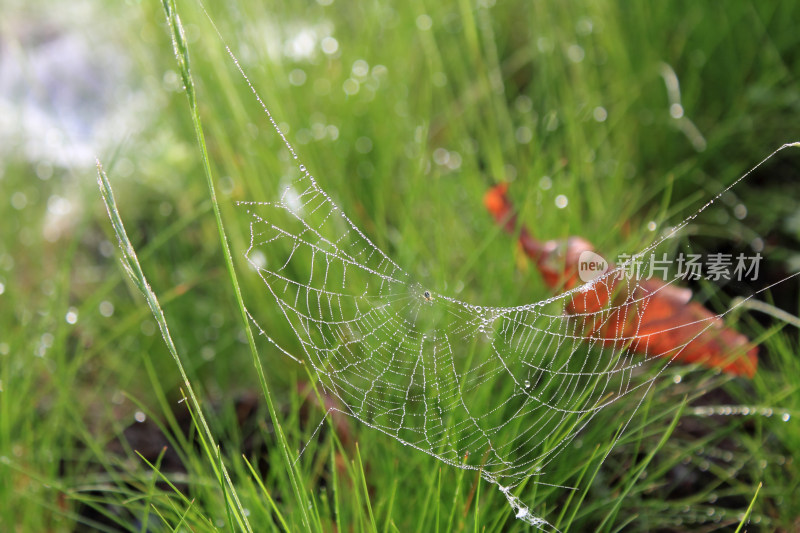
(423, 367)
(499, 390)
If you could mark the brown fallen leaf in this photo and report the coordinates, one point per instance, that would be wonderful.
(658, 318)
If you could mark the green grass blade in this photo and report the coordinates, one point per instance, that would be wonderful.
(182, 56)
(746, 517)
(131, 264)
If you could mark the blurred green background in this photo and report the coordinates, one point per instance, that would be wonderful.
(406, 113)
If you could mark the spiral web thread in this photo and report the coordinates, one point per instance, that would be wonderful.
(499, 390)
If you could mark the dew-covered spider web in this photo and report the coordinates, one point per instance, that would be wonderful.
(499, 390)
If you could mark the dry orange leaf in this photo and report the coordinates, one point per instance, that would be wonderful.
(658, 318)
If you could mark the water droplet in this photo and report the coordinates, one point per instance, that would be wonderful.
(19, 200)
(72, 315)
(524, 135)
(576, 53)
(527, 384)
(727, 456)
(302, 168)
(785, 417)
(424, 22)
(351, 86)
(139, 416)
(106, 308)
(47, 340)
(207, 353)
(600, 114)
(545, 183)
(329, 45)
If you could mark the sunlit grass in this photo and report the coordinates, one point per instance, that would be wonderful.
(499, 91)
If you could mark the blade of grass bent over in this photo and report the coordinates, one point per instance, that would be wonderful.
(134, 270)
